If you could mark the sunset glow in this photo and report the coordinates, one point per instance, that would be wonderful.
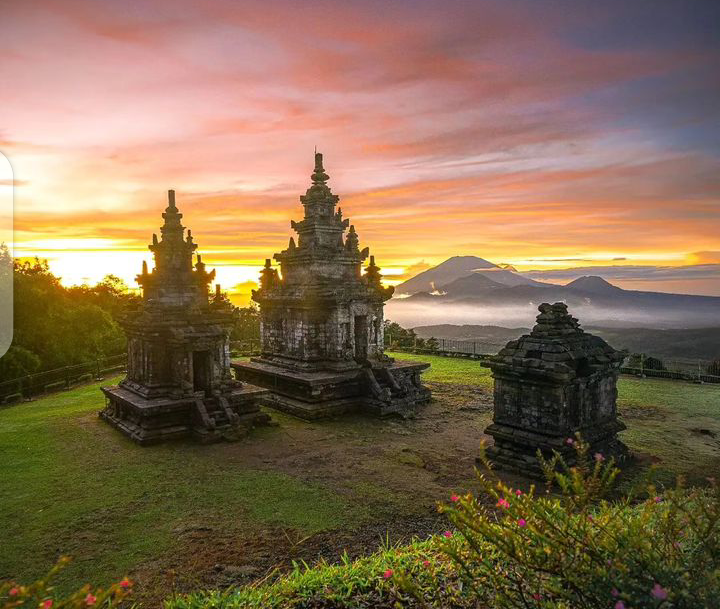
(550, 137)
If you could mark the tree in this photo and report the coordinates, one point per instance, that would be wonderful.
(55, 326)
(395, 334)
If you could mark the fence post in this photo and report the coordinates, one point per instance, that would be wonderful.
(443, 344)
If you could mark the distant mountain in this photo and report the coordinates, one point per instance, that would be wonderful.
(460, 291)
(593, 285)
(436, 278)
(471, 285)
(442, 274)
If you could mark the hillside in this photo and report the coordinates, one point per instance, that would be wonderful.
(701, 343)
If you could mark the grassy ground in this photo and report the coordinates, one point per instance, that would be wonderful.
(72, 487)
(183, 516)
(674, 425)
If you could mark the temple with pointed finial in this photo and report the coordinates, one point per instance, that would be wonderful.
(179, 382)
(322, 322)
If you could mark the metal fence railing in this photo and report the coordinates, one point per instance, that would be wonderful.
(472, 349)
(695, 370)
(32, 385)
(49, 381)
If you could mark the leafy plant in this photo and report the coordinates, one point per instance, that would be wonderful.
(42, 594)
(577, 549)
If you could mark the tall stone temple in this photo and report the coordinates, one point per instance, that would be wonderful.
(322, 322)
(549, 385)
(179, 382)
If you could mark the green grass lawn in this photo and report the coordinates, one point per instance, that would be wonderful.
(70, 484)
(450, 369)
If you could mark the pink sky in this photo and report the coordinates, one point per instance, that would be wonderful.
(525, 133)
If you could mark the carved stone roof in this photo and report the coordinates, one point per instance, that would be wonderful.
(558, 348)
(175, 281)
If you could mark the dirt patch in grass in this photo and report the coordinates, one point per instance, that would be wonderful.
(210, 558)
(642, 413)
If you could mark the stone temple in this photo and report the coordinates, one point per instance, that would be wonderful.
(550, 384)
(322, 322)
(179, 382)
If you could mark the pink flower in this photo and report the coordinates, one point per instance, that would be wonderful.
(591, 519)
(426, 563)
(388, 574)
(503, 503)
(569, 441)
(619, 605)
(125, 583)
(658, 499)
(454, 498)
(659, 592)
(47, 604)
(614, 592)
(537, 596)
(447, 534)
(599, 457)
(518, 492)
(13, 591)
(522, 522)
(90, 599)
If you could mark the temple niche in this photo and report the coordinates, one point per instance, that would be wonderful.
(322, 322)
(549, 385)
(179, 382)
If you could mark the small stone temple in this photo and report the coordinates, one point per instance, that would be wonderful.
(550, 384)
(322, 322)
(179, 382)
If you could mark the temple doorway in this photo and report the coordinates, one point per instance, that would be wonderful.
(201, 371)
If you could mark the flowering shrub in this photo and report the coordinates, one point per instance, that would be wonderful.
(576, 549)
(41, 594)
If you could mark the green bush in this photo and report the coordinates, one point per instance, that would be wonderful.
(41, 594)
(577, 549)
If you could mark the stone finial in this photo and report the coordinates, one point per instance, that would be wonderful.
(554, 320)
(171, 199)
(319, 176)
(372, 273)
(352, 243)
(144, 267)
(268, 276)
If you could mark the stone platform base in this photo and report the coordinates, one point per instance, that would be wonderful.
(206, 419)
(515, 449)
(392, 389)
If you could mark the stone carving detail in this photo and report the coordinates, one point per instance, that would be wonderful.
(179, 380)
(322, 319)
(550, 384)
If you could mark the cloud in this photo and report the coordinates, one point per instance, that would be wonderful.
(705, 257)
(484, 127)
